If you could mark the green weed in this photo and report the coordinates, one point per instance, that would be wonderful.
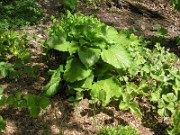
(118, 130)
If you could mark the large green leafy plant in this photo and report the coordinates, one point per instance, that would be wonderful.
(96, 58)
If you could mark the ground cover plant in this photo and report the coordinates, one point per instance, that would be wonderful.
(18, 13)
(98, 61)
(119, 130)
(14, 64)
(117, 81)
(14, 55)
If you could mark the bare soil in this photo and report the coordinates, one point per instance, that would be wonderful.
(61, 116)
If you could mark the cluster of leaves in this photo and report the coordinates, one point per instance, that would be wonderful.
(99, 60)
(175, 128)
(158, 69)
(33, 102)
(118, 130)
(95, 62)
(14, 55)
(16, 13)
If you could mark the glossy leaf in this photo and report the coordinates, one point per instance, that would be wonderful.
(89, 56)
(105, 90)
(116, 56)
(75, 70)
(58, 43)
(31, 100)
(53, 86)
(86, 83)
(134, 107)
(169, 97)
(43, 102)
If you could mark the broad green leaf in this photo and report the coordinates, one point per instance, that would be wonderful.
(117, 56)
(79, 95)
(34, 111)
(74, 100)
(10, 100)
(123, 105)
(89, 56)
(2, 123)
(101, 69)
(134, 107)
(35, 103)
(43, 102)
(75, 70)
(74, 47)
(159, 76)
(155, 96)
(83, 42)
(112, 36)
(170, 97)
(131, 86)
(101, 45)
(126, 97)
(5, 68)
(58, 43)
(171, 107)
(106, 89)
(83, 83)
(98, 94)
(161, 103)
(162, 112)
(52, 87)
(31, 100)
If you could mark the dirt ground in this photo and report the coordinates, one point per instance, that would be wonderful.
(61, 116)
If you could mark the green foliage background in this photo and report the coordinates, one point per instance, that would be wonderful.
(18, 13)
